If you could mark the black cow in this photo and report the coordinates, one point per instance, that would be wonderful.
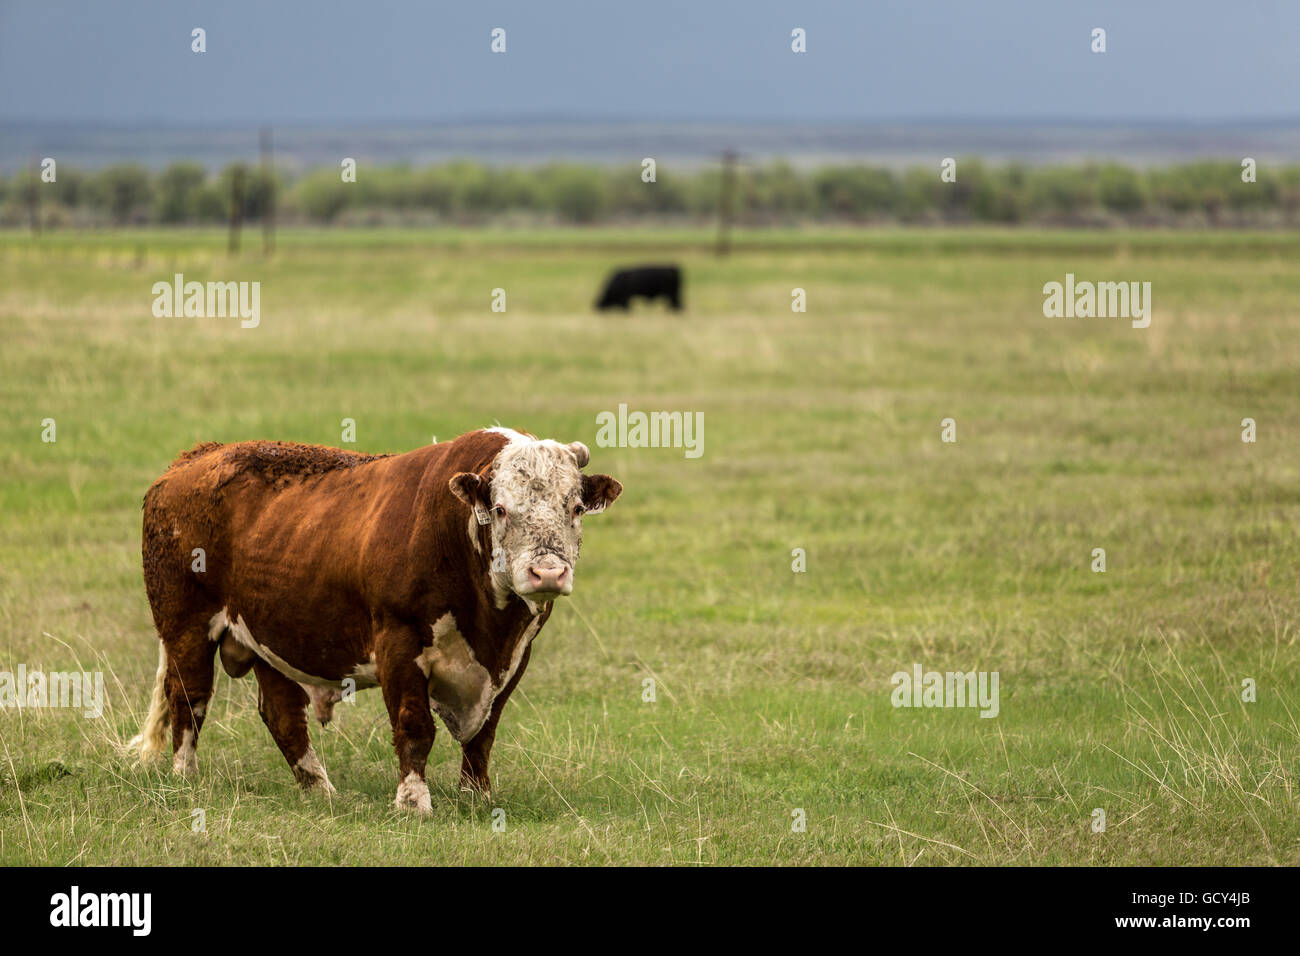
(649, 282)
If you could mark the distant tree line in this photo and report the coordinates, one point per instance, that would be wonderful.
(1205, 193)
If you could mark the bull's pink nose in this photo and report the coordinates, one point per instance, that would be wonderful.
(549, 578)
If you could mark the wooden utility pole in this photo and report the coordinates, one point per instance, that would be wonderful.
(725, 200)
(236, 206)
(34, 197)
(268, 194)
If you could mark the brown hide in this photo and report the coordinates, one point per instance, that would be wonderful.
(336, 564)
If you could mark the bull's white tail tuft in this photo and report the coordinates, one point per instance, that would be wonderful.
(151, 741)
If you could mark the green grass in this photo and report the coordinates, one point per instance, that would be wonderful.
(1119, 691)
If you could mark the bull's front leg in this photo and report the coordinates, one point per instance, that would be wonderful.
(476, 751)
(406, 695)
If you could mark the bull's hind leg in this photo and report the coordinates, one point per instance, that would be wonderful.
(187, 685)
(283, 706)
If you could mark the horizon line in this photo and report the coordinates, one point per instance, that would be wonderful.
(410, 122)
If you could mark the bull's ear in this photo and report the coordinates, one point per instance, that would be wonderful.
(599, 492)
(469, 488)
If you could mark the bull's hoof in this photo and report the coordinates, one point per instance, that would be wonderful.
(185, 765)
(310, 774)
(476, 786)
(316, 785)
(184, 761)
(413, 794)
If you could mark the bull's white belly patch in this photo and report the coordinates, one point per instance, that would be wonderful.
(363, 674)
(366, 675)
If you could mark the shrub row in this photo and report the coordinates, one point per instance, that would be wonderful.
(1200, 193)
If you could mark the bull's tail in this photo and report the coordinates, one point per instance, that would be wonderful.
(150, 743)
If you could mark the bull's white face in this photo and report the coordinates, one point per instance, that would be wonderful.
(536, 500)
(537, 507)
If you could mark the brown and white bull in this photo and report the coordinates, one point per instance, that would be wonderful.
(427, 574)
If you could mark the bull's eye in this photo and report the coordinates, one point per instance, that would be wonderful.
(578, 510)
(499, 511)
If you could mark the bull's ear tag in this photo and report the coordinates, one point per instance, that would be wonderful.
(481, 514)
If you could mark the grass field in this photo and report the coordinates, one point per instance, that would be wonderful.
(1119, 690)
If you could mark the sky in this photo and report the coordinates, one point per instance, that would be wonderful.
(129, 61)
